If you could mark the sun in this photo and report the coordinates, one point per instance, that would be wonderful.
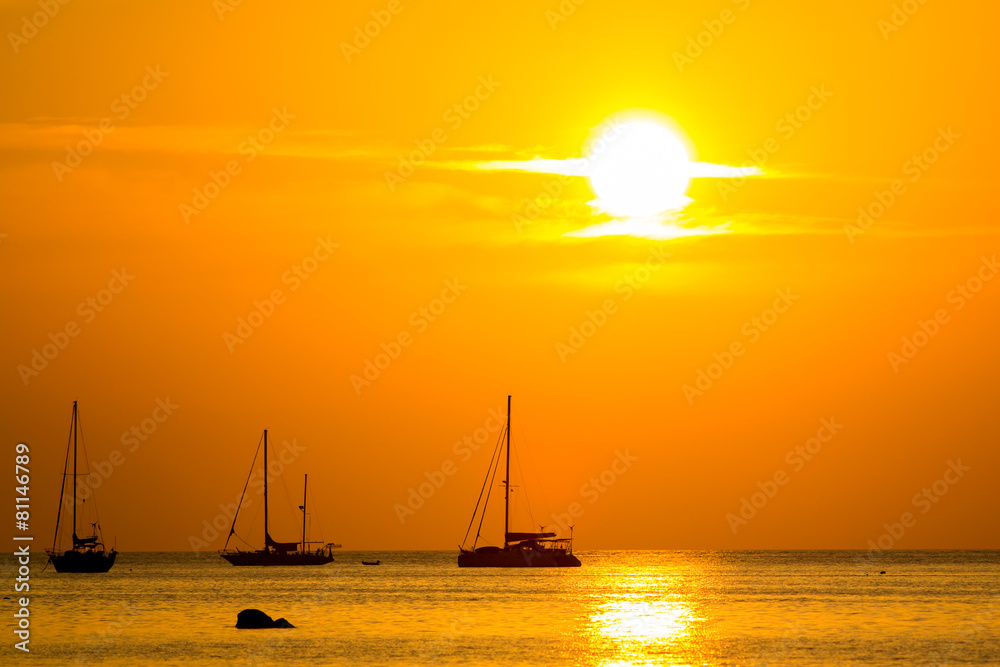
(639, 164)
(638, 167)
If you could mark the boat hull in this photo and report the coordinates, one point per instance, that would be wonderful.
(517, 558)
(83, 561)
(266, 558)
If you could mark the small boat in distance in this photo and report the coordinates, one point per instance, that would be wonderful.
(519, 549)
(371, 562)
(87, 553)
(277, 553)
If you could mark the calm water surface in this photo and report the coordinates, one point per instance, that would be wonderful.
(620, 608)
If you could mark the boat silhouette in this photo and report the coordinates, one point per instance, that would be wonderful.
(87, 553)
(519, 549)
(274, 552)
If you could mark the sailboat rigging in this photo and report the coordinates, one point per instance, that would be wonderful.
(520, 549)
(87, 553)
(277, 553)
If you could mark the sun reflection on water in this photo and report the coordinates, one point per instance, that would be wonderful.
(644, 618)
(643, 621)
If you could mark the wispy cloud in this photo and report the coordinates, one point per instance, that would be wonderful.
(648, 228)
(56, 134)
(567, 167)
(581, 167)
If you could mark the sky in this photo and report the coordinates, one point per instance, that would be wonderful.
(217, 218)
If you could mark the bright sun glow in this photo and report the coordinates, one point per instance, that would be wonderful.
(643, 620)
(638, 168)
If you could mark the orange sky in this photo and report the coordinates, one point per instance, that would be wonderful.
(331, 121)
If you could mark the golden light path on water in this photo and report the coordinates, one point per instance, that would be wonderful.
(640, 616)
(645, 621)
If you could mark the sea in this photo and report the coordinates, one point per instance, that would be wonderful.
(620, 608)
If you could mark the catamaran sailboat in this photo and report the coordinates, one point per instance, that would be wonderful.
(278, 553)
(519, 549)
(87, 553)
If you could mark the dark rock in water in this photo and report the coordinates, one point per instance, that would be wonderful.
(882, 572)
(255, 619)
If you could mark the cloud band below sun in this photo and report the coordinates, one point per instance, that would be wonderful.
(579, 167)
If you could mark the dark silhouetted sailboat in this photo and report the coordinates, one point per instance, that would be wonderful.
(277, 553)
(87, 553)
(519, 549)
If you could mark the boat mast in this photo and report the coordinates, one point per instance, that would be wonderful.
(267, 535)
(304, 485)
(506, 493)
(62, 487)
(74, 474)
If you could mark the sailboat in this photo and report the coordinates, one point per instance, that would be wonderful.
(278, 553)
(87, 553)
(540, 549)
